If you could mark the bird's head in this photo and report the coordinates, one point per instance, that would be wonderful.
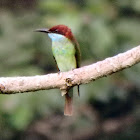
(57, 32)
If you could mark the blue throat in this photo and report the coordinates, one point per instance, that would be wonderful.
(56, 37)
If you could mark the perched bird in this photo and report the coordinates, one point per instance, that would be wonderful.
(67, 55)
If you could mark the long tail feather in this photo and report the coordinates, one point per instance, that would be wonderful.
(68, 103)
(78, 90)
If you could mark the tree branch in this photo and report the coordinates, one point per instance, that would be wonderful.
(64, 80)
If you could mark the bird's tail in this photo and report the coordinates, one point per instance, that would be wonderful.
(68, 103)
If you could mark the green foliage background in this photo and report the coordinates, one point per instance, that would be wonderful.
(103, 29)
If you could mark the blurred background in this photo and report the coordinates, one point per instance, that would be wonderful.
(108, 109)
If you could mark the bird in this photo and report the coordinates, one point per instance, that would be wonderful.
(66, 52)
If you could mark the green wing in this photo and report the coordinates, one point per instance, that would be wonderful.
(77, 57)
(77, 53)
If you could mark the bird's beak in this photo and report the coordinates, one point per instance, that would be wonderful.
(42, 30)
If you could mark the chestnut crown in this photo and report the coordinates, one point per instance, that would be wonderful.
(63, 30)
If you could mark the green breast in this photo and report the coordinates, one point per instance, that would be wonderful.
(64, 53)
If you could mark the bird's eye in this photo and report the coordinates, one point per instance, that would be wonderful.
(56, 30)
